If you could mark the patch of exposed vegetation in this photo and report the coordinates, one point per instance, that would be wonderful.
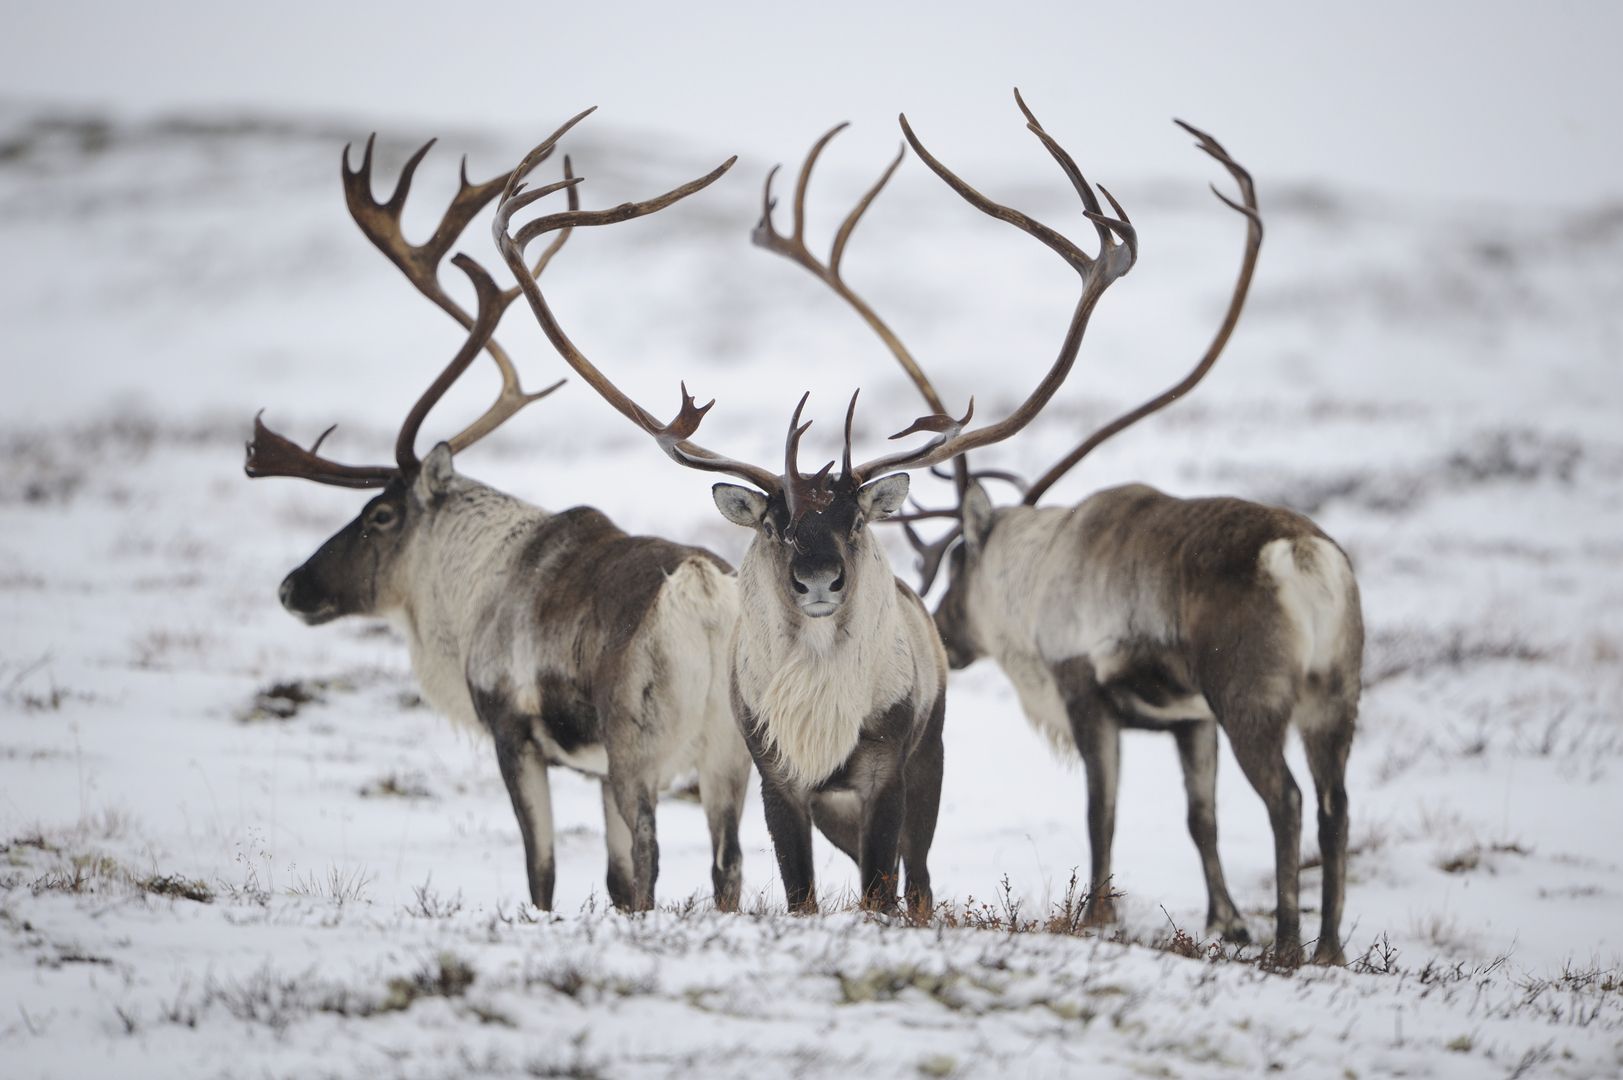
(337, 885)
(428, 904)
(177, 886)
(283, 700)
(1478, 855)
(1513, 456)
(446, 976)
(1392, 654)
(397, 786)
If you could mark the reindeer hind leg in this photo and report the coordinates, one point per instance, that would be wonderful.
(1197, 753)
(1327, 737)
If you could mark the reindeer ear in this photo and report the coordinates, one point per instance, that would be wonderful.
(740, 505)
(977, 517)
(435, 474)
(883, 497)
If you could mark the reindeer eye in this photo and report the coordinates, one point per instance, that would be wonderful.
(857, 523)
(381, 518)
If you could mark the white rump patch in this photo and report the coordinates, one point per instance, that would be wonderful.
(1314, 581)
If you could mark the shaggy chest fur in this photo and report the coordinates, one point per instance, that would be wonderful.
(811, 684)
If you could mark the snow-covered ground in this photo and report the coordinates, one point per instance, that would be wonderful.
(234, 846)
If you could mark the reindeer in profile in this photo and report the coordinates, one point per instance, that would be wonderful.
(568, 641)
(1136, 609)
(838, 675)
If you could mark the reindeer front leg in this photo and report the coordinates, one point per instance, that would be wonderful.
(788, 816)
(878, 770)
(524, 770)
(881, 837)
(788, 820)
(1098, 740)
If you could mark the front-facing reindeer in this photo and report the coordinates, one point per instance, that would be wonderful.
(568, 641)
(1136, 609)
(838, 676)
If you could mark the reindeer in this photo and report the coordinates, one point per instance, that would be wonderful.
(568, 641)
(838, 675)
(1136, 609)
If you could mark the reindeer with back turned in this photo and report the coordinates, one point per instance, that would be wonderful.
(838, 674)
(1135, 609)
(569, 642)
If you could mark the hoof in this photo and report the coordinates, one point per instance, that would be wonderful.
(1233, 933)
(1099, 913)
(1286, 954)
(1329, 956)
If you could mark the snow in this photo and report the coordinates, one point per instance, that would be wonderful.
(1437, 382)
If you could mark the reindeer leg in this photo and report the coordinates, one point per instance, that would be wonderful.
(524, 771)
(1259, 744)
(1197, 752)
(1098, 739)
(788, 820)
(724, 769)
(1327, 749)
(622, 880)
(634, 796)
(923, 782)
(882, 813)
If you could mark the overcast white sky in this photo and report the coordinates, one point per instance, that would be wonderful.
(1438, 99)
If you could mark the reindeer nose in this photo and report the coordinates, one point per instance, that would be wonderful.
(818, 584)
(285, 593)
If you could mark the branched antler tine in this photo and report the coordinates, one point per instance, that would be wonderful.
(491, 304)
(513, 396)
(315, 447)
(1067, 163)
(402, 186)
(923, 513)
(623, 212)
(803, 494)
(1242, 286)
(948, 429)
(365, 169)
(1097, 274)
(930, 554)
(507, 405)
(1013, 479)
(1120, 224)
(843, 235)
(791, 442)
(804, 180)
(1060, 245)
(765, 233)
(381, 223)
(564, 234)
(850, 415)
(523, 195)
(671, 438)
(270, 453)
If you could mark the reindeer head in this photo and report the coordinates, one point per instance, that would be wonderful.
(354, 572)
(811, 536)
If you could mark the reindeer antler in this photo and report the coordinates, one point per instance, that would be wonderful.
(1118, 249)
(1242, 286)
(272, 454)
(674, 438)
(930, 554)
